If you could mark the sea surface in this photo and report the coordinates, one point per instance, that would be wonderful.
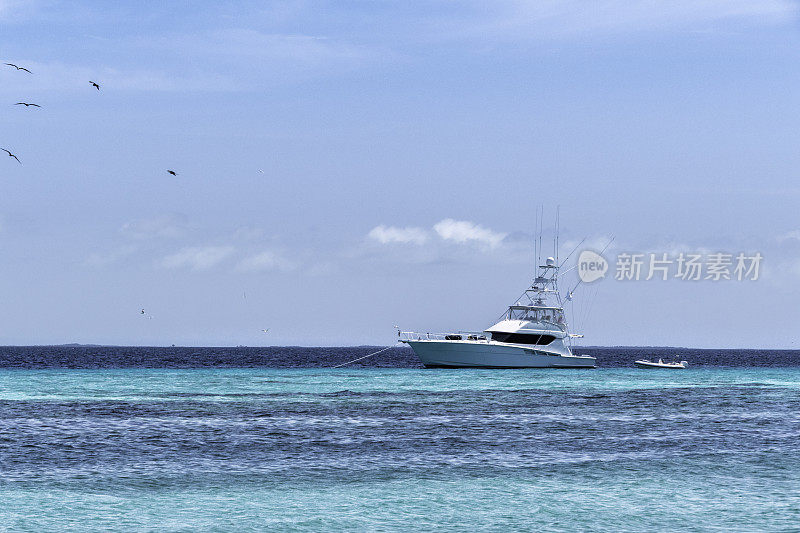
(238, 439)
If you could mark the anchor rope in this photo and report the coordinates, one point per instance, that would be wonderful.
(368, 355)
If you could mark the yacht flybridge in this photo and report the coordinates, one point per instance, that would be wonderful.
(532, 333)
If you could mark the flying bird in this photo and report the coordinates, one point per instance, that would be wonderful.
(96, 86)
(19, 68)
(26, 104)
(265, 330)
(172, 172)
(142, 311)
(11, 155)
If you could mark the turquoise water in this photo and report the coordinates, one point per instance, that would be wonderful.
(397, 449)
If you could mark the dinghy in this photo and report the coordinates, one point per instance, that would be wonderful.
(644, 363)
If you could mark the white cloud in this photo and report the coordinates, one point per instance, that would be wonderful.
(595, 243)
(448, 230)
(253, 58)
(226, 60)
(790, 236)
(9, 7)
(248, 233)
(309, 49)
(162, 226)
(101, 259)
(264, 261)
(462, 231)
(198, 257)
(155, 80)
(515, 19)
(388, 234)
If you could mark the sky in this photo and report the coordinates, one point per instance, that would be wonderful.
(345, 167)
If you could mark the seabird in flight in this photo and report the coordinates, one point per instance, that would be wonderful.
(26, 104)
(96, 86)
(19, 68)
(172, 172)
(11, 155)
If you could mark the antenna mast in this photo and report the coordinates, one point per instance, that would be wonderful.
(535, 245)
(557, 229)
(541, 225)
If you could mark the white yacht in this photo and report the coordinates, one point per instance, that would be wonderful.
(532, 333)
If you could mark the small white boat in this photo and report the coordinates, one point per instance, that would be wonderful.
(644, 363)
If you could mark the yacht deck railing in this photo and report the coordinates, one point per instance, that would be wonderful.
(472, 336)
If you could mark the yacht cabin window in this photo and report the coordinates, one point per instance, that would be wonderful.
(536, 315)
(521, 338)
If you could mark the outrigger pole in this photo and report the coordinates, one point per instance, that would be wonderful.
(569, 293)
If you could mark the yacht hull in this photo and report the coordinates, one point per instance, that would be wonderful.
(460, 354)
